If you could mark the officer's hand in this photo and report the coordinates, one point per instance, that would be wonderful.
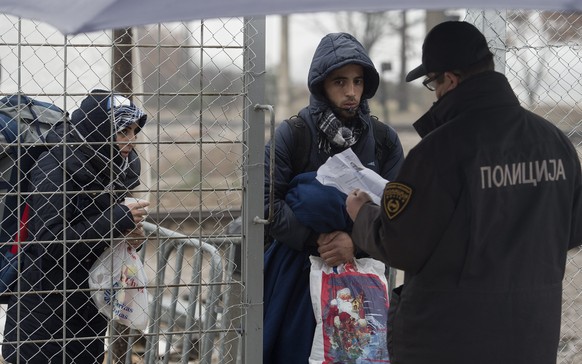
(356, 199)
(335, 248)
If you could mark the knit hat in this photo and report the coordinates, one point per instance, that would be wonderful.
(449, 46)
(125, 112)
(93, 118)
(92, 122)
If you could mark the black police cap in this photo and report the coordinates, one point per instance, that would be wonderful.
(449, 46)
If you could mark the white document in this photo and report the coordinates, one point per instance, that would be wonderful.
(345, 172)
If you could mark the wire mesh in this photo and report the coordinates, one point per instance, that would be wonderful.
(188, 78)
(541, 53)
(191, 79)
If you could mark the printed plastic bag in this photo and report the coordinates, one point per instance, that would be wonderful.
(350, 303)
(118, 279)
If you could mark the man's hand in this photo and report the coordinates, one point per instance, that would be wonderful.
(335, 248)
(139, 210)
(356, 199)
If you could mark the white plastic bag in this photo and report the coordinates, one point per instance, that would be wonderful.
(350, 303)
(117, 280)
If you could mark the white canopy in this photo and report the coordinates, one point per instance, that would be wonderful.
(81, 16)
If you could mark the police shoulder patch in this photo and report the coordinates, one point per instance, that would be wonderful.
(396, 197)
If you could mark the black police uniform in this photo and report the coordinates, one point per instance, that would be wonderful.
(480, 218)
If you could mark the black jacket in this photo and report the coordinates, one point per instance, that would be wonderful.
(76, 213)
(480, 218)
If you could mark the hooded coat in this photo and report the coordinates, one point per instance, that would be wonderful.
(76, 213)
(334, 51)
(288, 314)
(480, 218)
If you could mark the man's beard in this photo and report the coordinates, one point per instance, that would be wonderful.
(345, 114)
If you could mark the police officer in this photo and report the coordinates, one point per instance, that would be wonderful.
(480, 217)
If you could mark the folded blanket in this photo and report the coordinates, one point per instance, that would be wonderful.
(322, 208)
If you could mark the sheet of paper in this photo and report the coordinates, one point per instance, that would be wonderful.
(345, 172)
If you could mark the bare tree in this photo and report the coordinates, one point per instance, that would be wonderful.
(522, 33)
(283, 80)
(562, 27)
(369, 28)
(373, 31)
(122, 69)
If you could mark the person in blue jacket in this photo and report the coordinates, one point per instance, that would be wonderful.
(77, 211)
(341, 79)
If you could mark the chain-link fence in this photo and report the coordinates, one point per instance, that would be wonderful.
(540, 53)
(195, 83)
(201, 169)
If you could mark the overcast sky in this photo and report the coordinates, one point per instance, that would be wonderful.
(306, 30)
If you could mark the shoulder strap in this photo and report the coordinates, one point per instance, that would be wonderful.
(382, 141)
(301, 143)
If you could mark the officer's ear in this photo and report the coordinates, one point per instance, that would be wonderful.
(452, 79)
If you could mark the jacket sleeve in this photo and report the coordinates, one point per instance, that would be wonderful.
(54, 220)
(404, 232)
(285, 227)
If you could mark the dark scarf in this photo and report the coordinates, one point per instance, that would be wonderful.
(338, 134)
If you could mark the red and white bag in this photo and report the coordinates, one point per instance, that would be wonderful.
(350, 303)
